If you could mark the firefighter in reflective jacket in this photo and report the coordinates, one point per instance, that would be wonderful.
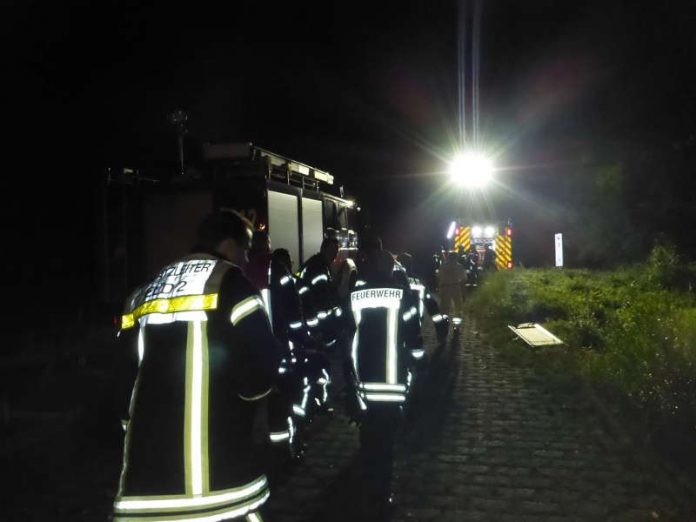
(304, 375)
(425, 298)
(206, 356)
(319, 295)
(386, 336)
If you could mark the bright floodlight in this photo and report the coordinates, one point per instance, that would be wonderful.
(476, 231)
(489, 231)
(471, 169)
(450, 232)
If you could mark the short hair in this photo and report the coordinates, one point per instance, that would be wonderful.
(282, 256)
(223, 224)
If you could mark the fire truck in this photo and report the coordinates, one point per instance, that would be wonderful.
(149, 219)
(497, 236)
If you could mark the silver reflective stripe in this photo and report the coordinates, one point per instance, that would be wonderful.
(143, 504)
(255, 397)
(437, 318)
(392, 324)
(319, 278)
(338, 311)
(322, 315)
(421, 294)
(304, 290)
(410, 313)
(380, 386)
(280, 436)
(312, 322)
(418, 354)
(284, 280)
(295, 325)
(356, 340)
(245, 307)
(385, 397)
(266, 296)
(360, 283)
(141, 344)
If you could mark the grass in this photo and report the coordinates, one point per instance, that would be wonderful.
(630, 332)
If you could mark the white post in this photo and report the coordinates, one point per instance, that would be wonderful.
(559, 250)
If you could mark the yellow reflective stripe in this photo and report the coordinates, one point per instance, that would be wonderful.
(127, 321)
(184, 303)
(246, 307)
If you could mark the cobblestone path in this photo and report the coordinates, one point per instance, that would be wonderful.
(486, 441)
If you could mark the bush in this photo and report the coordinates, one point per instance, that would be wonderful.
(631, 331)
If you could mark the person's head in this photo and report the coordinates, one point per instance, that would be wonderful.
(406, 261)
(329, 249)
(282, 256)
(225, 233)
(370, 241)
(380, 269)
(260, 241)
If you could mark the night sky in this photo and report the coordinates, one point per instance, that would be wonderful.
(367, 91)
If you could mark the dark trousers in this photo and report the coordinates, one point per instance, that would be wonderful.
(377, 434)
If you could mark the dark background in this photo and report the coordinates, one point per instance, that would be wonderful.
(588, 108)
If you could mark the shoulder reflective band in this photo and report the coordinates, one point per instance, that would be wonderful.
(184, 303)
(245, 307)
(319, 278)
(418, 354)
(295, 325)
(437, 318)
(143, 505)
(284, 280)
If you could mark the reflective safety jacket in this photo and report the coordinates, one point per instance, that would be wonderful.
(387, 331)
(206, 355)
(426, 300)
(320, 298)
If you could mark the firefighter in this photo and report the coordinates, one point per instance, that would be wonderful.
(489, 259)
(426, 300)
(305, 372)
(450, 276)
(319, 295)
(383, 317)
(207, 356)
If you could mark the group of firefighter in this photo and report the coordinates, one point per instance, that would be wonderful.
(233, 354)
